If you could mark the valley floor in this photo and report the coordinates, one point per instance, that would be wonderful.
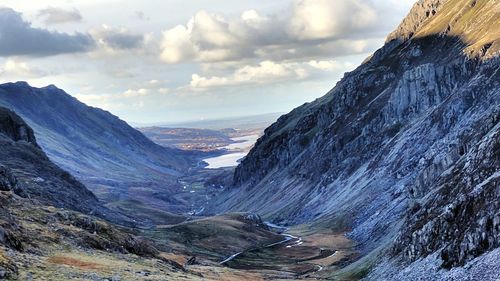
(62, 263)
(46, 243)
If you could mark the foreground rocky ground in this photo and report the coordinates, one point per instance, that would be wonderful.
(46, 243)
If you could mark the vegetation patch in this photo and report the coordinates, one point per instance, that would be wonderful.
(7, 267)
(69, 261)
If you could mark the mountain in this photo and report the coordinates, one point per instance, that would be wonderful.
(27, 171)
(402, 154)
(110, 157)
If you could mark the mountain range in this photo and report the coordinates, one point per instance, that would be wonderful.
(98, 148)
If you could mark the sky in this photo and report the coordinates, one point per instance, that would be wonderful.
(169, 61)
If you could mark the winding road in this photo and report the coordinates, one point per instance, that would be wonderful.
(290, 240)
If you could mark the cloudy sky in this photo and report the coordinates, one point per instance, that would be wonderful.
(154, 61)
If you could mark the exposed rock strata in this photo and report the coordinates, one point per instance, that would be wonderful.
(389, 137)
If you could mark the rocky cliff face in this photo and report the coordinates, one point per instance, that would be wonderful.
(461, 218)
(14, 127)
(390, 135)
(28, 172)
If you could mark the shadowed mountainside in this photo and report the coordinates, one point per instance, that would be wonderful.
(385, 139)
(26, 170)
(101, 150)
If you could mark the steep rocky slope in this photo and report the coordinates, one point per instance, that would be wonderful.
(101, 150)
(25, 169)
(400, 129)
(456, 225)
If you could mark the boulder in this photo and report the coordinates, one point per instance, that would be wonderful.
(7, 179)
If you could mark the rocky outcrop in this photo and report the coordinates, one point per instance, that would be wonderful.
(454, 232)
(379, 145)
(8, 268)
(28, 172)
(12, 126)
(461, 219)
(7, 180)
(420, 13)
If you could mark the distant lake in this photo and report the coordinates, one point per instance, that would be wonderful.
(239, 150)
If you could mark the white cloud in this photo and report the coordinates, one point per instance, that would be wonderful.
(212, 30)
(304, 31)
(136, 98)
(324, 19)
(325, 65)
(92, 98)
(112, 38)
(252, 18)
(266, 72)
(52, 15)
(176, 45)
(210, 37)
(143, 93)
(20, 69)
(130, 93)
(163, 91)
(198, 81)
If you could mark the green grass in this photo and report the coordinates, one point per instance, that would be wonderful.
(476, 26)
